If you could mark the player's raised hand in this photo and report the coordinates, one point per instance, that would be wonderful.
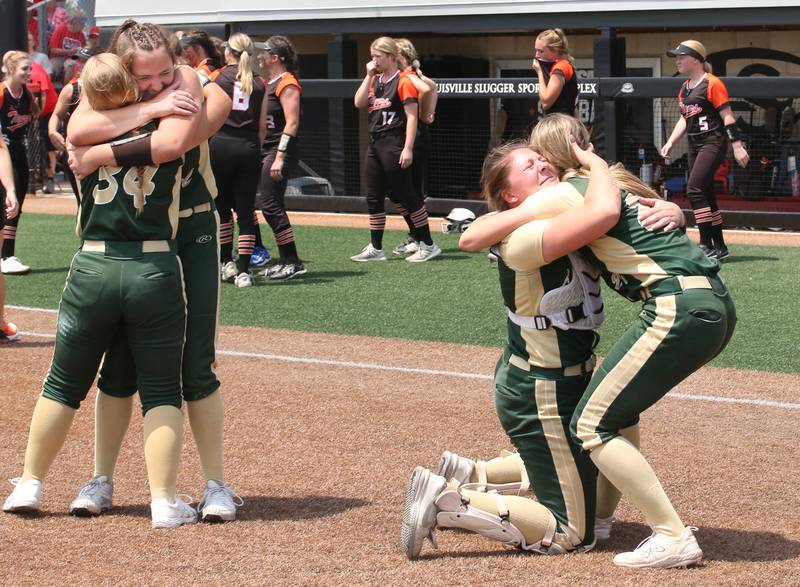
(172, 102)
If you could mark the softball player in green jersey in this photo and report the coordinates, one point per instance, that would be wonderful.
(687, 319)
(542, 374)
(198, 248)
(126, 274)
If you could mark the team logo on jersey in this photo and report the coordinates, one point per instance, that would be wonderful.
(17, 120)
(188, 179)
(379, 103)
(203, 239)
(689, 110)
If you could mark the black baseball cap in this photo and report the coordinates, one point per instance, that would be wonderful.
(685, 50)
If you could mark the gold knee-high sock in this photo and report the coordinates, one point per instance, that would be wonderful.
(529, 516)
(206, 418)
(163, 435)
(49, 427)
(608, 496)
(626, 468)
(112, 415)
(502, 469)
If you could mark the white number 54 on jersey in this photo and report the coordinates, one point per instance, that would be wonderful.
(130, 183)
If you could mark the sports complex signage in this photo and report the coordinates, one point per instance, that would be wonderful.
(502, 89)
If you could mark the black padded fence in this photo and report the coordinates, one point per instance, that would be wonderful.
(333, 138)
(765, 194)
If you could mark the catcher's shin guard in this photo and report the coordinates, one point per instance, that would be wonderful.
(456, 512)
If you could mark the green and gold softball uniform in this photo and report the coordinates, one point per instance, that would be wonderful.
(126, 276)
(198, 249)
(687, 317)
(538, 383)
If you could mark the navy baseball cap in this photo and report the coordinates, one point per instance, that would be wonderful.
(686, 50)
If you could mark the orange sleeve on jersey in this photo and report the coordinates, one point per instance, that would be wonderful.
(717, 93)
(410, 71)
(214, 74)
(204, 69)
(406, 90)
(286, 81)
(564, 67)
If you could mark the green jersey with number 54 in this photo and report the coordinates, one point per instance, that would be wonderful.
(108, 197)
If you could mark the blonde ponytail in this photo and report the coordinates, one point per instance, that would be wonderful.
(551, 139)
(245, 73)
(241, 47)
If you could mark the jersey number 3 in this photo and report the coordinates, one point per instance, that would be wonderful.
(130, 183)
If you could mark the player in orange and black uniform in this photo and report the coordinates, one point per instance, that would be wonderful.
(236, 155)
(8, 209)
(66, 104)
(277, 56)
(428, 98)
(707, 118)
(17, 109)
(392, 102)
(199, 51)
(558, 84)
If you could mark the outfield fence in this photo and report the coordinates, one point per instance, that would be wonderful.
(630, 119)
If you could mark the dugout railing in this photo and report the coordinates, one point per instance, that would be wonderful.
(767, 194)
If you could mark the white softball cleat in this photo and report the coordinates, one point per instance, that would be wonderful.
(26, 497)
(452, 466)
(369, 253)
(425, 253)
(419, 515)
(95, 497)
(661, 552)
(171, 515)
(219, 503)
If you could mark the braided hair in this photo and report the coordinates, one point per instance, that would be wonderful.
(132, 36)
(408, 54)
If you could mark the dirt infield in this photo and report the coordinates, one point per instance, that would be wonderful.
(66, 205)
(321, 434)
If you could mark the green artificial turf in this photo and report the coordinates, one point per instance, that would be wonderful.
(454, 298)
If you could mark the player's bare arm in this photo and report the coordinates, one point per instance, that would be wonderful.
(90, 127)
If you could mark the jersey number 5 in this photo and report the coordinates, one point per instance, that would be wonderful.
(703, 122)
(130, 183)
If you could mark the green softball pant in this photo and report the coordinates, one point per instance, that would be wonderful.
(198, 249)
(535, 408)
(121, 289)
(675, 335)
